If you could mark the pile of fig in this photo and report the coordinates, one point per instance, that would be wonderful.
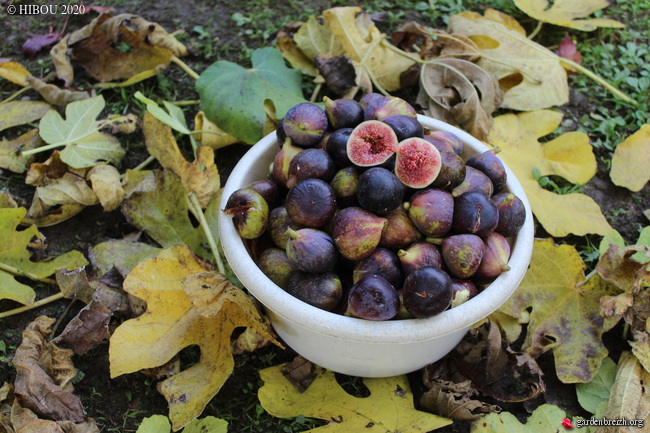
(367, 213)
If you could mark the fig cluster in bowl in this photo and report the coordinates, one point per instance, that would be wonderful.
(367, 213)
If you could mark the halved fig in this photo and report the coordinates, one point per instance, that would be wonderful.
(371, 143)
(418, 162)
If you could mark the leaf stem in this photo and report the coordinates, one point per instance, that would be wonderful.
(41, 149)
(15, 95)
(189, 71)
(598, 79)
(205, 131)
(198, 212)
(15, 271)
(186, 103)
(36, 304)
(536, 31)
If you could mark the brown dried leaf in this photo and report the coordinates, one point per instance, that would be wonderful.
(434, 43)
(620, 267)
(105, 182)
(55, 95)
(454, 400)
(156, 35)
(300, 372)
(61, 61)
(44, 173)
(87, 329)
(11, 157)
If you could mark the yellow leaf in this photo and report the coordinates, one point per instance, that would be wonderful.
(569, 155)
(361, 41)
(105, 181)
(565, 314)
(389, 408)
(55, 95)
(531, 76)
(216, 141)
(14, 72)
(10, 151)
(180, 314)
(16, 113)
(631, 161)
(567, 13)
(61, 61)
(546, 418)
(294, 55)
(68, 189)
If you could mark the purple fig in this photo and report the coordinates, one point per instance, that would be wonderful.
(382, 262)
(311, 164)
(452, 171)
(462, 291)
(249, 212)
(462, 254)
(269, 190)
(368, 98)
(427, 292)
(490, 164)
(393, 106)
(475, 213)
(311, 250)
(399, 230)
(495, 259)
(280, 169)
(379, 191)
(345, 184)
(343, 113)
(512, 213)
(322, 290)
(311, 203)
(357, 232)
(276, 265)
(279, 222)
(337, 146)
(373, 298)
(305, 124)
(475, 180)
(404, 126)
(432, 211)
(419, 255)
(452, 139)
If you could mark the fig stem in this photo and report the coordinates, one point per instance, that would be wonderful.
(292, 233)
(195, 207)
(435, 241)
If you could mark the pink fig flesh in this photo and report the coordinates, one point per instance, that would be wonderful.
(371, 143)
(418, 162)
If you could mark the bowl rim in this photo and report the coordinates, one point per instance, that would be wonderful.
(335, 325)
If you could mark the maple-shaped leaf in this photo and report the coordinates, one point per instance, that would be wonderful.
(187, 304)
(546, 418)
(568, 13)
(563, 311)
(235, 98)
(84, 145)
(631, 160)
(15, 258)
(570, 155)
(389, 408)
(531, 76)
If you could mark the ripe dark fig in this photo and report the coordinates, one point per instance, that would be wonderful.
(311, 203)
(269, 190)
(279, 222)
(373, 298)
(357, 232)
(495, 259)
(276, 265)
(379, 191)
(345, 184)
(280, 170)
(368, 98)
(450, 138)
(441, 145)
(490, 164)
(452, 171)
(418, 162)
(512, 213)
(475, 213)
(427, 292)
(393, 107)
(305, 124)
(462, 291)
(280, 134)
(404, 126)
(374, 103)
(337, 146)
(432, 211)
(462, 254)
(399, 230)
(475, 180)
(323, 290)
(382, 262)
(311, 250)
(249, 212)
(343, 113)
(311, 164)
(371, 143)
(419, 255)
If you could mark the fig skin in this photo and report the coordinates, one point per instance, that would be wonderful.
(311, 164)
(337, 146)
(357, 232)
(432, 211)
(404, 126)
(393, 106)
(306, 124)
(311, 250)
(345, 184)
(419, 255)
(462, 254)
(512, 213)
(450, 138)
(371, 103)
(475, 180)
(462, 291)
(495, 259)
(474, 212)
(322, 290)
(382, 262)
(492, 166)
(371, 143)
(269, 190)
(373, 298)
(249, 212)
(276, 265)
(279, 222)
(343, 113)
(368, 98)
(418, 162)
(452, 171)
(379, 191)
(280, 168)
(399, 230)
(311, 203)
(427, 292)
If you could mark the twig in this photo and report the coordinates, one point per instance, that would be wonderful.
(36, 304)
(189, 71)
(15, 271)
(196, 210)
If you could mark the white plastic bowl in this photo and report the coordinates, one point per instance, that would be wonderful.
(360, 347)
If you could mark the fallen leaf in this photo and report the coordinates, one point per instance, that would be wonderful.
(179, 314)
(37, 42)
(62, 64)
(55, 95)
(563, 311)
(388, 408)
(567, 13)
(14, 72)
(87, 329)
(300, 372)
(84, 145)
(631, 159)
(592, 395)
(570, 155)
(294, 55)
(530, 75)
(14, 254)
(155, 424)
(214, 136)
(209, 424)
(546, 418)
(622, 268)
(11, 157)
(105, 183)
(434, 43)
(68, 189)
(15, 113)
(124, 124)
(233, 97)
(43, 173)
(461, 93)
(104, 256)
(173, 117)
(41, 215)
(568, 50)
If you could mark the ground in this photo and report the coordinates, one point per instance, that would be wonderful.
(213, 31)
